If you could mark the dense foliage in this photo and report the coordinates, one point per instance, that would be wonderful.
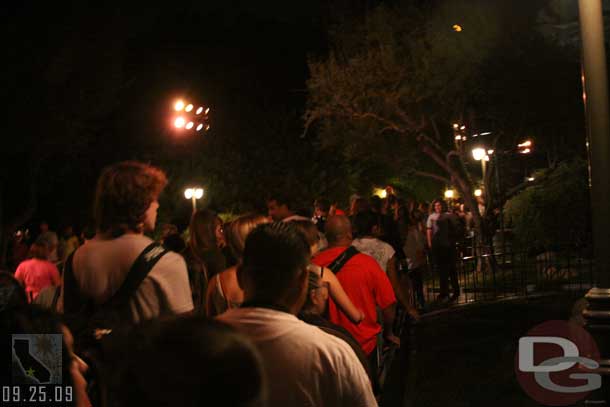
(554, 212)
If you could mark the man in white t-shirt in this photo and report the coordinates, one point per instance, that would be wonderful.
(126, 207)
(367, 226)
(304, 365)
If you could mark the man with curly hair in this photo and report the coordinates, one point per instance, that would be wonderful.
(125, 208)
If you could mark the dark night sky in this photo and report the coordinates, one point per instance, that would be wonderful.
(227, 54)
(232, 55)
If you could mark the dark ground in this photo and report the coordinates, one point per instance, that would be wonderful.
(464, 356)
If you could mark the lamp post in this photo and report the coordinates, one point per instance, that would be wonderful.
(193, 194)
(595, 97)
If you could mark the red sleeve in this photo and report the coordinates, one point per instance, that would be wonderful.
(19, 274)
(384, 293)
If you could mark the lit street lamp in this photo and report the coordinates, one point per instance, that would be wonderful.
(449, 193)
(381, 193)
(193, 194)
(480, 154)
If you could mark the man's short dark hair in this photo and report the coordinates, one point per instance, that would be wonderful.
(124, 193)
(282, 199)
(364, 222)
(274, 256)
(309, 229)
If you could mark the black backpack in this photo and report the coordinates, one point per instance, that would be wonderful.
(90, 320)
(91, 323)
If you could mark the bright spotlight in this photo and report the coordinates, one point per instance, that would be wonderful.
(198, 193)
(457, 28)
(526, 143)
(449, 193)
(207, 127)
(179, 105)
(189, 125)
(188, 193)
(456, 126)
(179, 122)
(530, 179)
(199, 110)
(199, 127)
(526, 151)
(478, 192)
(207, 110)
(188, 108)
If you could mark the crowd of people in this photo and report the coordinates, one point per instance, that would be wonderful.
(282, 308)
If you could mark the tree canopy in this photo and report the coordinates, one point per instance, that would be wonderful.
(393, 83)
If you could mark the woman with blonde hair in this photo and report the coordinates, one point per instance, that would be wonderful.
(223, 290)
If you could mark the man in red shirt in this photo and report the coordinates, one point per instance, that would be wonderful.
(366, 285)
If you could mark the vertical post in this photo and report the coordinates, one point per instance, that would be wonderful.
(194, 203)
(595, 96)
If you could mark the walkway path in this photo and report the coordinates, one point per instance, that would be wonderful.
(465, 356)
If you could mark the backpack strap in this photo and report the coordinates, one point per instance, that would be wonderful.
(138, 272)
(343, 258)
(71, 294)
(73, 301)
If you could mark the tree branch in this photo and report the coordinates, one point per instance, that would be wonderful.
(432, 176)
(435, 128)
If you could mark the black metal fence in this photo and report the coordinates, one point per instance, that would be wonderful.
(491, 274)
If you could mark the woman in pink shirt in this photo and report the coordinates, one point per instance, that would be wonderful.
(37, 272)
